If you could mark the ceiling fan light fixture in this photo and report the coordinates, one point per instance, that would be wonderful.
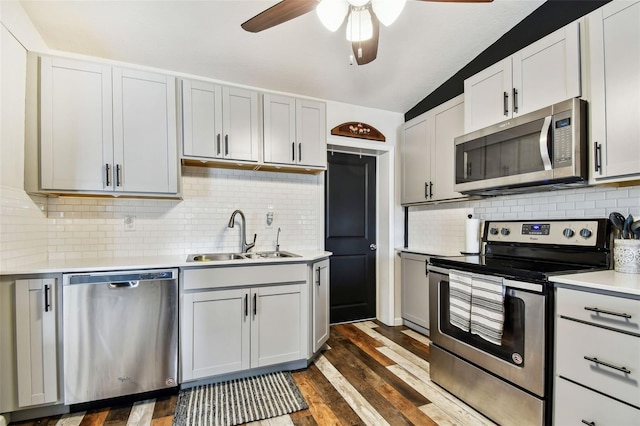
(332, 13)
(387, 11)
(359, 25)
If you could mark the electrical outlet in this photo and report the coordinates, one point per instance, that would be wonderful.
(129, 223)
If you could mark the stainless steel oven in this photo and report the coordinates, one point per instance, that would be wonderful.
(510, 380)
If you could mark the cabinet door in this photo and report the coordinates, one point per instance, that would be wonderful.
(76, 143)
(144, 123)
(311, 133)
(36, 341)
(416, 160)
(279, 324)
(415, 289)
(320, 285)
(240, 124)
(614, 32)
(488, 97)
(547, 71)
(201, 119)
(279, 129)
(448, 123)
(215, 331)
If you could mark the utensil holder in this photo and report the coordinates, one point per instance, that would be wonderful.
(626, 256)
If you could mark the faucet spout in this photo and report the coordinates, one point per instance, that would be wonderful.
(245, 246)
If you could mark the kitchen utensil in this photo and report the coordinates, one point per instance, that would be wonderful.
(635, 229)
(617, 220)
(626, 227)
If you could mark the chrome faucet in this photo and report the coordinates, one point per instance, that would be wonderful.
(245, 246)
(278, 242)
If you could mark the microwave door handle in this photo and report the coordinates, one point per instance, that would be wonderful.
(544, 143)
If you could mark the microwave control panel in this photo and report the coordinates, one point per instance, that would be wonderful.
(562, 139)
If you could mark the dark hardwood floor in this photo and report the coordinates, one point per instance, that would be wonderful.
(370, 374)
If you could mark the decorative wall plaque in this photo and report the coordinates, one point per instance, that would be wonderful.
(354, 129)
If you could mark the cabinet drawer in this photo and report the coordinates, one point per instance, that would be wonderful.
(575, 341)
(575, 405)
(609, 311)
(230, 276)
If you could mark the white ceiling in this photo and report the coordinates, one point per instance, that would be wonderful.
(428, 43)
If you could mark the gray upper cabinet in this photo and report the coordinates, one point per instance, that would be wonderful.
(219, 122)
(294, 131)
(106, 130)
(614, 59)
(428, 153)
(541, 74)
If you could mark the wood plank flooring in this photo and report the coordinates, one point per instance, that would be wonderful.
(370, 374)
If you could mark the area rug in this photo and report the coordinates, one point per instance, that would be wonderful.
(239, 401)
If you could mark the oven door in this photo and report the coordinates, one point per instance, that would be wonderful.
(520, 359)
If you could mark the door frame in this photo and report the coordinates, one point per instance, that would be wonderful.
(387, 296)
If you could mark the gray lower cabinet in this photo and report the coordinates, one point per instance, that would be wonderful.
(320, 314)
(415, 291)
(36, 341)
(240, 318)
(596, 381)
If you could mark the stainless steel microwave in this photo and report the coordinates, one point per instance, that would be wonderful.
(547, 147)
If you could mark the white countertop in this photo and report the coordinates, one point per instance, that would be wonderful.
(603, 280)
(152, 262)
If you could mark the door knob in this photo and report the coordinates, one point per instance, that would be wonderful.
(373, 247)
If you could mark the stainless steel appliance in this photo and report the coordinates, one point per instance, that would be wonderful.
(510, 382)
(120, 333)
(541, 148)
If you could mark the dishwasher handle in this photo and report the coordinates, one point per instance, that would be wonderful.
(124, 284)
(120, 279)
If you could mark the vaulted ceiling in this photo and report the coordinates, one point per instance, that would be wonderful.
(428, 43)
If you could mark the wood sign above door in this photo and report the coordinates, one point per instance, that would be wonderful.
(354, 129)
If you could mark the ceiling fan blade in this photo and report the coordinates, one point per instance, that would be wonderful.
(369, 47)
(460, 1)
(279, 13)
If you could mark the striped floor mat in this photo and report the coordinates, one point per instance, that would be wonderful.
(239, 401)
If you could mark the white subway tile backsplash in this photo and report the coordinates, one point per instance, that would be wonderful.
(37, 228)
(427, 222)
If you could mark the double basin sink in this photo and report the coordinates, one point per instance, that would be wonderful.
(212, 257)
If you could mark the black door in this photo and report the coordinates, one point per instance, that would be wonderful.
(350, 233)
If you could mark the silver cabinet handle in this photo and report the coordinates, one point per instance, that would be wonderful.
(218, 144)
(300, 152)
(597, 155)
(255, 304)
(318, 277)
(293, 152)
(118, 177)
(47, 298)
(373, 247)
(606, 364)
(426, 190)
(506, 104)
(602, 311)
(107, 170)
(246, 305)
(430, 189)
(515, 100)
(226, 145)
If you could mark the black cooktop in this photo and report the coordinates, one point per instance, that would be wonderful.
(509, 267)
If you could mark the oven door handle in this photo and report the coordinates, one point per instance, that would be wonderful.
(544, 143)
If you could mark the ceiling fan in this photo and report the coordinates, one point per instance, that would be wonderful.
(363, 19)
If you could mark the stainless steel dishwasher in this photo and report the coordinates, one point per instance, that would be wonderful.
(120, 333)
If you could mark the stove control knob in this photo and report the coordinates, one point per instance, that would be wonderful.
(493, 231)
(568, 232)
(585, 233)
(505, 231)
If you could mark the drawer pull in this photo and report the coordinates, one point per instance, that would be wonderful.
(606, 364)
(601, 311)
(588, 423)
